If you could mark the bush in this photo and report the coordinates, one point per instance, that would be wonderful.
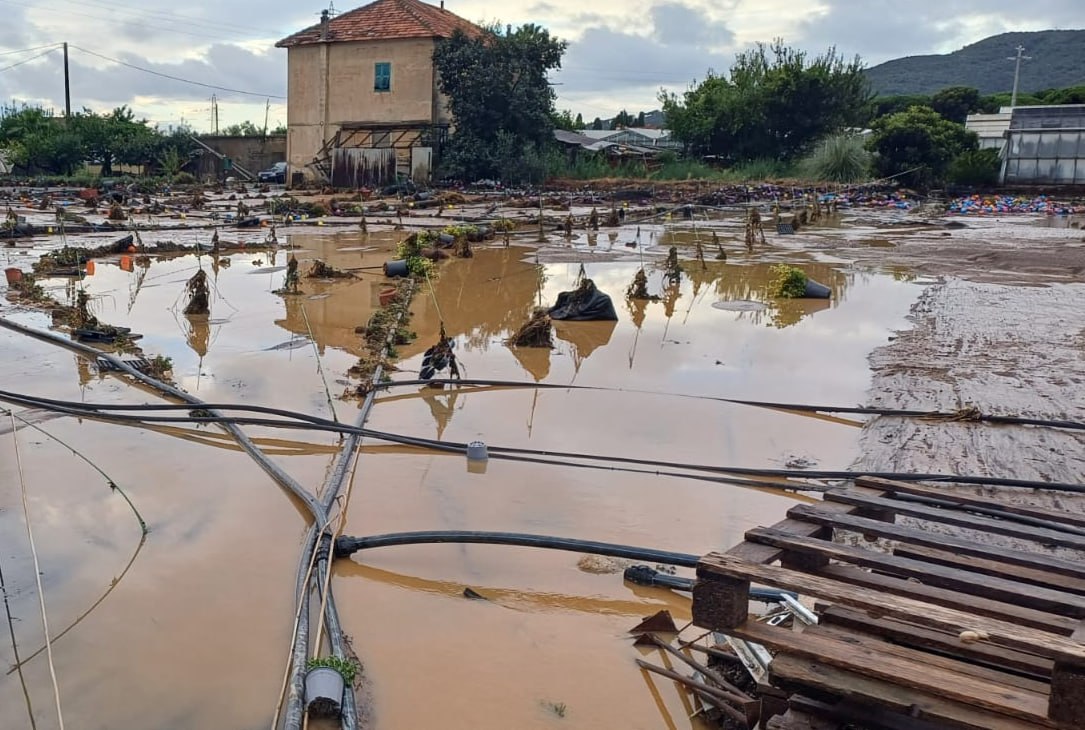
(758, 170)
(184, 178)
(975, 168)
(788, 282)
(840, 158)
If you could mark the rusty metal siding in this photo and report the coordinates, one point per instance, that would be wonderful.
(354, 167)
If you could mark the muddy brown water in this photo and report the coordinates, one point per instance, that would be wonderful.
(195, 633)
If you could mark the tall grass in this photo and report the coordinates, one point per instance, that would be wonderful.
(840, 158)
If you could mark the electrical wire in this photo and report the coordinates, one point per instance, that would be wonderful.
(30, 50)
(176, 78)
(540, 456)
(28, 60)
(37, 572)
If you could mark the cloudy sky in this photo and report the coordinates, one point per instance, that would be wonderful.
(621, 52)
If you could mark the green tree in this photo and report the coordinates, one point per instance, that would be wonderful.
(640, 120)
(955, 103)
(597, 124)
(918, 145)
(39, 142)
(883, 106)
(498, 90)
(624, 119)
(564, 120)
(775, 103)
(244, 129)
(579, 123)
(117, 137)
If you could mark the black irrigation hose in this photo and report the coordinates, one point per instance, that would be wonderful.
(800, 407)
(346, 546)
(534, 455)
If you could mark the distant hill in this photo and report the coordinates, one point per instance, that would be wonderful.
(1058, 61)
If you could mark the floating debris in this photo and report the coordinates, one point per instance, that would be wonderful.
(536, 333)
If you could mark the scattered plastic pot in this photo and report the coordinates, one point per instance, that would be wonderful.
(396, 268)
(445, 240)
(13, 275)
(324, 691)
(814, 290)
(477, 451)
(387, 296)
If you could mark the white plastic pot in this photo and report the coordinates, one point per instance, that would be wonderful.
(323, 691)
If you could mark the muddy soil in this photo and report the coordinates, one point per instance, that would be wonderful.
(190, 627)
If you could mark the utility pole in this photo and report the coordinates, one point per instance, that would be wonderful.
(67, 86)
(1017, 72)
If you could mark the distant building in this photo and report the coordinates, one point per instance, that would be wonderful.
(1045, 145)
(639, 136)
(990, 128)
(363, 105)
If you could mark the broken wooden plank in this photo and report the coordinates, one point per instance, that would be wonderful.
(915, 536)
(991, 567)
(1000, 632)
(850, 713)
(859, 497)
(998, 589)
(804, 674)
(980, 607)
(923, 490)
(866, 657)
(942, 642)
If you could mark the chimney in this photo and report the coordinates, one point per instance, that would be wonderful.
(323, 25)
(442, 4)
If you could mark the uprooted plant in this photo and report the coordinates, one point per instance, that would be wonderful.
(199, 294)
(788, 282)
(536, 332)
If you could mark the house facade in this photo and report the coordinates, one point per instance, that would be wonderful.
(363, 103)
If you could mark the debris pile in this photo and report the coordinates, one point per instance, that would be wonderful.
(199, 294)
(536, 333)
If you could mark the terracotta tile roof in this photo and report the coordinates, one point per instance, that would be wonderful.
(386, 20)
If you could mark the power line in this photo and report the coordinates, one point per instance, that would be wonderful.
(205, 34)
(162, 15)
(28, 50)
(28, 60)
(177, 78)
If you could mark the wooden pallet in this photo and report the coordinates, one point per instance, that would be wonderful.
(892, 632)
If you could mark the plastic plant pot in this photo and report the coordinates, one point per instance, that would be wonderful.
(814, 290)
(396, 268)
(324, 691)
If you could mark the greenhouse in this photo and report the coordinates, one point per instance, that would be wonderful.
(1046, 145)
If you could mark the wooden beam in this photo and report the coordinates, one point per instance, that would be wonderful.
(998, 568)
(914, 536)
(868, 658)
(1001, 633)
(997, 589)
(805, 674)
(923, 490)
(860, 497)
(981, 607)
(933, 640)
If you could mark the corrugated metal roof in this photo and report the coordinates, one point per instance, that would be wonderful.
(386, 20)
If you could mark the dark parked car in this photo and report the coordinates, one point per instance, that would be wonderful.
(275, 174)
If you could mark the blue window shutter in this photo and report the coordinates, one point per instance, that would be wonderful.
(382, 76)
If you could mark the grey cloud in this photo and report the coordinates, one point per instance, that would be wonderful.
(879, 30)
(677, 24)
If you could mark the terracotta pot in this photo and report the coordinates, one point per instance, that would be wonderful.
(14, 275)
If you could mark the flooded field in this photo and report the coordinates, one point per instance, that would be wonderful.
(190, 626)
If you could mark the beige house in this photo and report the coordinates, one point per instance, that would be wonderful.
(363, 104)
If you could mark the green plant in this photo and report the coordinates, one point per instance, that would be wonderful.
(788, 282)
(975, 168)
(347, 668)
(184, 178)
(160, 365)
(838, 158)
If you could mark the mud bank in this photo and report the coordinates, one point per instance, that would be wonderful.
(1003, 349)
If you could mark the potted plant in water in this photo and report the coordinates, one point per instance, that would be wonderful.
(324, 681)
